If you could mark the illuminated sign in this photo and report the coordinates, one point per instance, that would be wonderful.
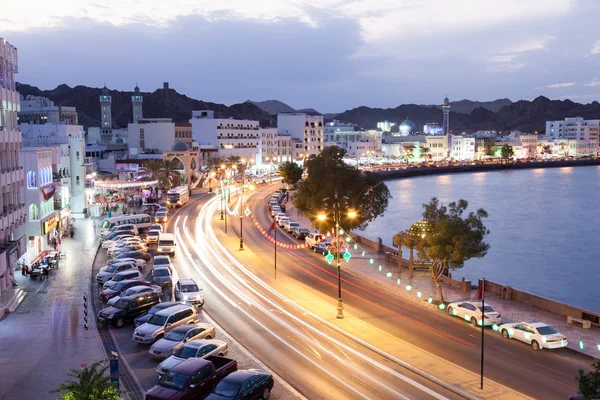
(49, 224)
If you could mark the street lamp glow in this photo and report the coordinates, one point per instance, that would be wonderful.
(321, 217)
(352, 214)
(222, 166)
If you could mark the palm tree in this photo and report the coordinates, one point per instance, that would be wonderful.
(234, 160)
(170, 173)
(408, 152)
(426, 153)
(214, 162)
(153, 167)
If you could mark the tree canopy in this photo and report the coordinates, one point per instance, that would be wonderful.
(361, 191)
(447, 237)
(507, 152)
(589, 383)
(290, 172)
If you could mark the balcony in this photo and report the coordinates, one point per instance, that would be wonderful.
(88, 160)
(244, 128)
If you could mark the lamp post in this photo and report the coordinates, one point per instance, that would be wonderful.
(336, 217)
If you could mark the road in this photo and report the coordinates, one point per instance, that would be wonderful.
(544, 374)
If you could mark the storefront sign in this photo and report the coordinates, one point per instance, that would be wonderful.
(49, 224)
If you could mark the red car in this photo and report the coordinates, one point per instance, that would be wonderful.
(119, 288)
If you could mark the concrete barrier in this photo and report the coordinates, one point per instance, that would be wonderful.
(530, 299)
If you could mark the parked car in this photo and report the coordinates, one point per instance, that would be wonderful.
(141, 264)
(107, 244)
(123, 276)
(161, 216)
(117, 235)
(537, 334)
(199, 348)
(280, 215)
(127, 308)
(162, 276)
(289, 226)
(471, 311)
(118, 228)
(128, 248)
(312, 239)
(162, 261)
(282, 220)
(152, 236)
(179, 336)
(324, 247)
(192, 379)
(107, 273)
(135, 254)
(300, 233)
(187, 290)
(142, 319)
(119, 288)
(275, 210)
(250, 384)
(139, 290)
(164, 321)
(157, 227)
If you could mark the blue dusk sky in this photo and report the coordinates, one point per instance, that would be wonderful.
(331, 55)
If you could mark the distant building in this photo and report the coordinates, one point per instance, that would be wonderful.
(432, 129)
(137, 101)
(385, 126)
(158, 134)
(579, 135)
(41, 110)
(303, 127)
(446, 118)
(463, 148)
(105, 116)
(439, 147)
(277, 148)
(407, 128)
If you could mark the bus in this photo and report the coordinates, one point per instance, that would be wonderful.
(142, 221)
(178, 196)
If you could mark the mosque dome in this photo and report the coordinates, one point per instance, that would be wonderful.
(180, 146)
(136, 89)
(407, 127)
(119, 140)
(446, 99)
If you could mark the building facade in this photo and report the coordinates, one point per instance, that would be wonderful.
(137, 101)
(105, 116)
(439, 147)
(303, 127)
(463, 148)
(580, 136)
(446, 116)
(41, 110)
(158, 134)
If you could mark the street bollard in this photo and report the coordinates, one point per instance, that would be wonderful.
(85, 312)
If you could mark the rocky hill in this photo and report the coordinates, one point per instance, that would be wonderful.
(527, 116)
(467, 106)
(273, 107)
(158, 104)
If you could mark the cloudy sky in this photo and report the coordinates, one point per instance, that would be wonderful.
(328, 54)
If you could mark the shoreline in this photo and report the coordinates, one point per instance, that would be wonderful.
(414, 171)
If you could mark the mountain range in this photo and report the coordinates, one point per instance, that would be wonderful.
(465, 115)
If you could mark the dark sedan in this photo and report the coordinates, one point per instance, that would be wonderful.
(119, 288)
(249, 384)
(138, 255)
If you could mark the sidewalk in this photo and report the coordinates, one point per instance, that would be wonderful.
(45, 336)
(396, 281)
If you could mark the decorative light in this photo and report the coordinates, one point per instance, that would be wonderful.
(442, 306)
(363, 254)
(467, 317)
(371, 261)
(389, 274)
(581, 344)
(408, 287)
(399, 281)
(419, 294)
(430, 300)
(329, 257)
(355, 246)
(347, 256)
(495, 327)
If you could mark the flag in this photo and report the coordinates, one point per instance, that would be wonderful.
(272, 227)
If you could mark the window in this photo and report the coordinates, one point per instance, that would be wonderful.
(33, 213)
(205, 350)
(31, 179)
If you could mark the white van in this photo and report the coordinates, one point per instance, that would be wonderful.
(166, 244)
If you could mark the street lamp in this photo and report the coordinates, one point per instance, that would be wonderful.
(241, 219)
(336, 217)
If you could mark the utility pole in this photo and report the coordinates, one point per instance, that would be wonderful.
(482, 327)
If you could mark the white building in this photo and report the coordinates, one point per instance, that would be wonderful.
(439, 146)
(463, 148)
(303, 127)
(385, 126)
(277, 148)
(157, 134)
(586, 132)
(432, 129)
(230, 136)
(41, 110)
(69, 164)
(12, 209)
(357, 143)
(39, 199)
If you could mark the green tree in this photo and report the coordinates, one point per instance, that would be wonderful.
(290, 172)
(507, 152)
(407, 153)
(89, 383)
(360, 191)
(451, 238)
(170, 173)
(547, 150)
(153, 167)
(589, 383)
(413, 238)
(215, 163)
(426, 153)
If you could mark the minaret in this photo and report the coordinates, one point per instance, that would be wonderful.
(105, 116)
(137, 101)
(446, 121)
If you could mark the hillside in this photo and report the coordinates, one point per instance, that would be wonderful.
(467, 106)
(158, 104)
(527, 116)
(273, 107)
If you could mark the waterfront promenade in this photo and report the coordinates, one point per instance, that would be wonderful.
(395, 279)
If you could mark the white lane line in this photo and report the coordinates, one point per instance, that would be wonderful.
(200, 244)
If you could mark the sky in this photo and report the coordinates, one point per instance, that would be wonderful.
(330, 55)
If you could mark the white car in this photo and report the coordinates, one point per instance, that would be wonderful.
(196, 348)
(187, 290)
(537, 334)
(124, 243)
(110, 243)
(275, 210)
(312, 239)
(179, 336)
(282, 221)
(152, 236)
(279, 215)
(107, 273)
(141, 264)
(154, 227)
(470, 311)
(137, 290)
(290, 225)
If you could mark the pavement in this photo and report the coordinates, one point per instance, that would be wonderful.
(390, 277)
(45, 336)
